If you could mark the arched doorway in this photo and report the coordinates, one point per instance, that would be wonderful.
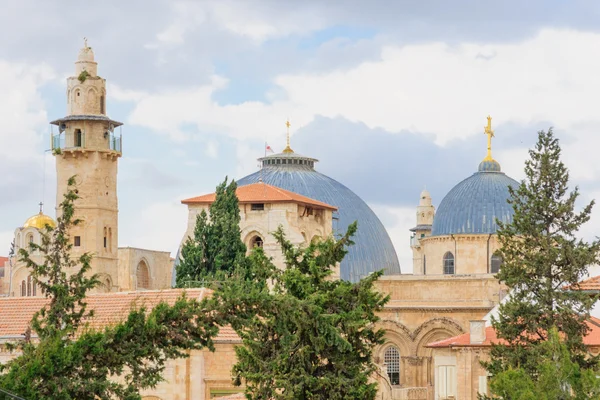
(142, 276)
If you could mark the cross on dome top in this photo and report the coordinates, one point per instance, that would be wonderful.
(288, 149)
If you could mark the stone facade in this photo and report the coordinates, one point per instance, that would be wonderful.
(141, 269)
(257, 224)
(85, 148)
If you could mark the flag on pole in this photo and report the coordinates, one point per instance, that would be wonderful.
(268, 149)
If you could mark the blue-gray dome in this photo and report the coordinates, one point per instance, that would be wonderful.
(474, 204)
(373, 250)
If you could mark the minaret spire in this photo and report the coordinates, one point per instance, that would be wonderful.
(288, 149)
(490, 134)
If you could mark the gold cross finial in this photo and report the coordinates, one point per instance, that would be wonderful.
(85, 45)
(490, 134)
(288, 149)
(41, 207)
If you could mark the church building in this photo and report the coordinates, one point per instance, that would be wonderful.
(433, 314)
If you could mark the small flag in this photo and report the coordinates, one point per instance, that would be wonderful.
(268, 148)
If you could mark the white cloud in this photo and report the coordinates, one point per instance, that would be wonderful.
(433, 87)
(159, 226)
(22, 110)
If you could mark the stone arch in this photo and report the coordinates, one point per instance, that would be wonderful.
(395, 333)
(105, 282)
(251, 232)
(142, 275)
(433, 330)
(151, 398)
(92, 98)
(76, 94)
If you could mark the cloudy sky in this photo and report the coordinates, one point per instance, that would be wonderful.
(391, 96)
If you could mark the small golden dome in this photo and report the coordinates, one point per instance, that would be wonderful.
(39, 221)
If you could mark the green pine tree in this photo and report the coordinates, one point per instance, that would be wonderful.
(305, 335)
(543, 261)
(558, 377)
(216, 248)
(69, 361)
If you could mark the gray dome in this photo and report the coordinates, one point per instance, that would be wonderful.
(473, 205)
(373, 250)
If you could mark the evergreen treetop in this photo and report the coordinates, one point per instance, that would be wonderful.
(216, 248)
(305, 335)
(543, 261)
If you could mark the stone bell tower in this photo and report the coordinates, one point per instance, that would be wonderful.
(86, 146)
(425, 214)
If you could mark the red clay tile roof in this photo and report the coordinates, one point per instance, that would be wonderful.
(591, 284)
(109, 309)
(3, 260)
(262, 193)
(464, 340)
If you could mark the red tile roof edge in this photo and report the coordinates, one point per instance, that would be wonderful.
(464, 340)
(288, 197)
(589, 285)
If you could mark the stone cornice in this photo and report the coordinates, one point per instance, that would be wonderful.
(438, 308)
(459, 237)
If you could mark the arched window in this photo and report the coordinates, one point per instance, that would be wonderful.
(29, 239)
(102, 105)
(23, 288)
(424, 265)
(448, 263)
(34, 288)
(391, 358)
(496, 263)
(29, 286)
(256, 241)
(143, 276)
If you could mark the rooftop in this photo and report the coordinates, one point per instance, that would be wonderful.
(109, 309)
(590, 285)
(464, 340)
(261, 192)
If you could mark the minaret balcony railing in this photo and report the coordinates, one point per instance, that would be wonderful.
(77, 141)
(116, 143)
(59, 141)
(415, 241)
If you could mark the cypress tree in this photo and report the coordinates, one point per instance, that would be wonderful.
(216, 248)
(543, 261)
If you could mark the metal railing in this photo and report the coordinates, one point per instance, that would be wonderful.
(78, 141)
(115, 143)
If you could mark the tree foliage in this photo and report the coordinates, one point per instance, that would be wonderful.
(69, 361)
(558, 377)
(216, 248)
(305, 335)
(543, 261)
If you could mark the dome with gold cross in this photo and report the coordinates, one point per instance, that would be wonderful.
(39, 220)
(474, 204)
